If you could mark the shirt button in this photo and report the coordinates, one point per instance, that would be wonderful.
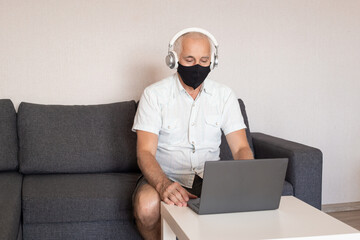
(192, 142)
(193, 124)
(193, 105)
(169, 127)
(217, 123)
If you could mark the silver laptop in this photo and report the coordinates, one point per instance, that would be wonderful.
(241, 186)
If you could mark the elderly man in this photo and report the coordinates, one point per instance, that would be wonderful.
(178, 125)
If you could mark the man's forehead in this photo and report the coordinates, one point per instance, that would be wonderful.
(190, 44)
(195, 36)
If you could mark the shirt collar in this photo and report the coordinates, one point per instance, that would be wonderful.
(206, 86)
(179, 87)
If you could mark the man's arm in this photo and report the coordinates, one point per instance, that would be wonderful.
(170, 192)
(239, 145)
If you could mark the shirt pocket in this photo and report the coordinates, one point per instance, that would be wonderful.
(170, 132)
(212, 132)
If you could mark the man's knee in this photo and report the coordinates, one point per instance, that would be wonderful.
(147, 206)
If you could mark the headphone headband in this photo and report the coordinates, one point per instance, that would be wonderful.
(193, 29)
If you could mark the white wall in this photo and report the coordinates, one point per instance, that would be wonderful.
(294, 63)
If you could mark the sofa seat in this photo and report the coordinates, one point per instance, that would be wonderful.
(112, 230)
(10, 205)
(60, 198)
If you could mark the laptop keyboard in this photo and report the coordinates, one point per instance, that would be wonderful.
(196, 202)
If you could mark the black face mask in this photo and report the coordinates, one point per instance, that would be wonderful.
(193, 76)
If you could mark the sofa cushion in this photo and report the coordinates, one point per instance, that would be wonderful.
(10, 204)
(78, 197)
(77, 139)
(82, 230)
(8, 136)
(225, 152)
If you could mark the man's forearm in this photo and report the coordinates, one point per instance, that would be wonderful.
(152, 170)
(244, 154)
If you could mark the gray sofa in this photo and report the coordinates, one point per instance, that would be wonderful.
(68, 172)
(10, 178)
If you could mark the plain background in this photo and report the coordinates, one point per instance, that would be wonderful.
(294, 63)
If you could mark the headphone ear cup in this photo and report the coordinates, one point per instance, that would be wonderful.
(171, 60)
(214, 61)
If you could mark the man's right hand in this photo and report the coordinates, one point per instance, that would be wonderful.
(173, 193)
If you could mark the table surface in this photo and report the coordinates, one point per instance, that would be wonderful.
(294, 218)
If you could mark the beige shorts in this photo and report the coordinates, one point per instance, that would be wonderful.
(196, 188)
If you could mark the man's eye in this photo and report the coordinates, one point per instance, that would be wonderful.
(189, 60)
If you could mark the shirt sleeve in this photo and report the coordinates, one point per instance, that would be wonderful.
(232, 117)
(148, 114)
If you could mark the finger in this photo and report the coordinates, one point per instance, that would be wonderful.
(175, 200)
(178, 195)
(174, 190)
(191, 195)
(184, 194)
(168, 201)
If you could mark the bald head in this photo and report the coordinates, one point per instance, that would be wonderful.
(178, 45)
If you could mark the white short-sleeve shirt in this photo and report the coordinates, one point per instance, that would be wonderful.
(189, 131)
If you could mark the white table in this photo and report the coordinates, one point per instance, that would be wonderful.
(293, 219)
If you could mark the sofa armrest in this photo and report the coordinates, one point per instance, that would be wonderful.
(304, 168)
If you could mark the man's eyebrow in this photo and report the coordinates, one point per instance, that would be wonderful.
(207, 57)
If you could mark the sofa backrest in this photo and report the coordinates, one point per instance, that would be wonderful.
(225, 152)
(77, 139)
(8, 136)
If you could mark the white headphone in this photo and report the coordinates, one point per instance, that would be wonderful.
(172, 58)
